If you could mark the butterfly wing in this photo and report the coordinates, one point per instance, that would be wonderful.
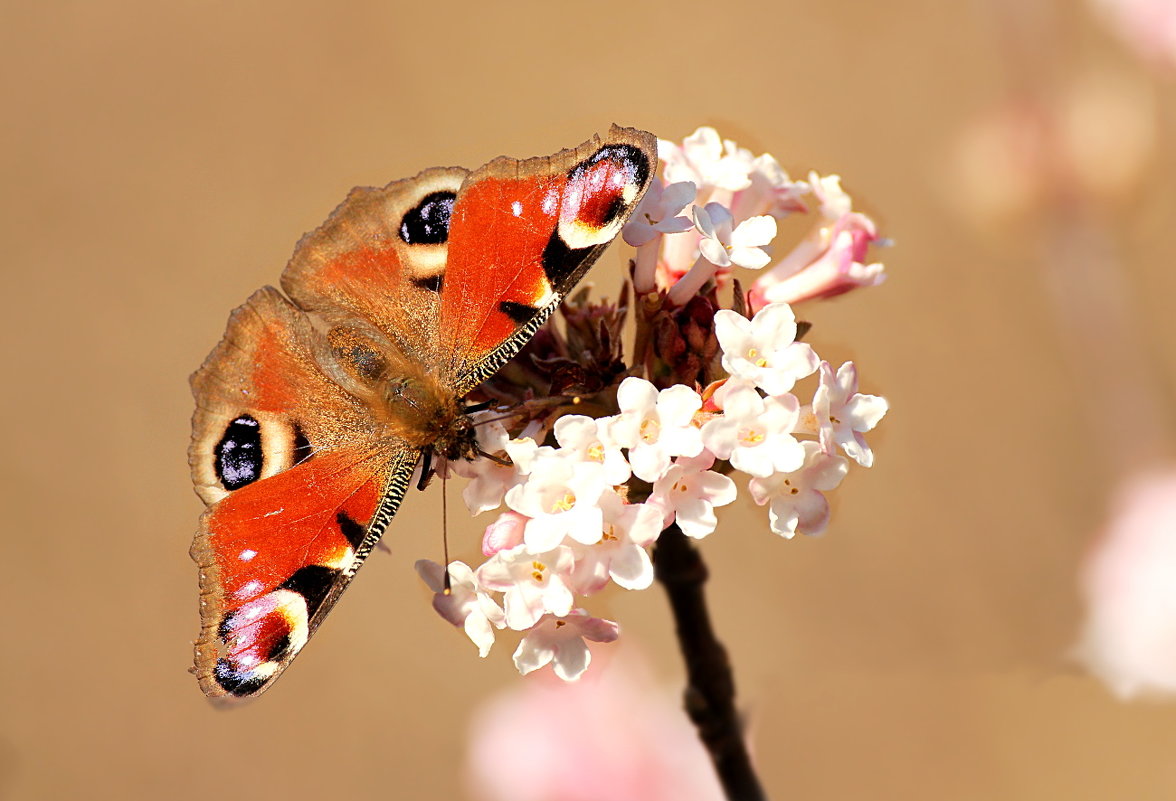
(298, 492)
(436, 279)
(378, 261)
(458, 269)
(522, 233)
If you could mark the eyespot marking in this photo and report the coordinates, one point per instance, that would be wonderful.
(281, 648)
(633, 159)
(599, 191)
(427, 223)
(236, 683)
(238, 456)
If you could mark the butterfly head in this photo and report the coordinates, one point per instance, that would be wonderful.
(459, 440)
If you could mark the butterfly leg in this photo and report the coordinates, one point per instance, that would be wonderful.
(478, 407)
(427, 471)
(504, 461)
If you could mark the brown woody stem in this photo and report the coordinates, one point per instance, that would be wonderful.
(710, 685)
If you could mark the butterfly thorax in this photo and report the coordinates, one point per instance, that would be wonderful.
(407, 402)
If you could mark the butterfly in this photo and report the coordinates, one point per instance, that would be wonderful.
(317, 406)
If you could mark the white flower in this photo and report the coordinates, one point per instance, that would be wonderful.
(655, 426)
(833, 200)
(629, 528)
(560, 496)
(771, 191)
(587, 440)
(533, 584)
(797, 502)
(490, 480)
(842, 414)
(754, 432)
(559, 641)
(689, 493)
(743, 245)
(466, 604)
(763, 349)
(706, 161)
(659, 212)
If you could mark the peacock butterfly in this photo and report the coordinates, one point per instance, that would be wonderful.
(317, 406)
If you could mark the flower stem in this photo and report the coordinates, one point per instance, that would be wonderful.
(710, 685)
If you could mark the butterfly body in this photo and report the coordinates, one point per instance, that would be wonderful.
(316, 407)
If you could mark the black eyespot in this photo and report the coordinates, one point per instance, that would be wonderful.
(428, 222)
(238, 454)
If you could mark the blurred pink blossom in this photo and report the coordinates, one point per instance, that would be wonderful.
(1129, 639)
(611, 736)
(1147, 26)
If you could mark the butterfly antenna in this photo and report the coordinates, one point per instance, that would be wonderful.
(445, 525)
(507, 416)
(496, 459)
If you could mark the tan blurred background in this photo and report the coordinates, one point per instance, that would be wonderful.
(159, 161)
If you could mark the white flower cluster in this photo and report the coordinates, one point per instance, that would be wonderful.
(571, 527)
(722, 205)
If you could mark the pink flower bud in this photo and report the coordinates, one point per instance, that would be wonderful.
(827, 265)
(504, 533)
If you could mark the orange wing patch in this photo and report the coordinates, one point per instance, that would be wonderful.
(379, 260)
(273, 556)
(523, 233)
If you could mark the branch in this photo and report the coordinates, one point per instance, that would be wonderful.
(710, 686)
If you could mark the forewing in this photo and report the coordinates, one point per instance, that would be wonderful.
(521, 235)
(379, 260)
(298, 491)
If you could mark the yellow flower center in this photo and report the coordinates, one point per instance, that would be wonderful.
(749, 436)
(538, 571)
(564, 504)
(650, 430)
(610, 533)
(596, 452)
